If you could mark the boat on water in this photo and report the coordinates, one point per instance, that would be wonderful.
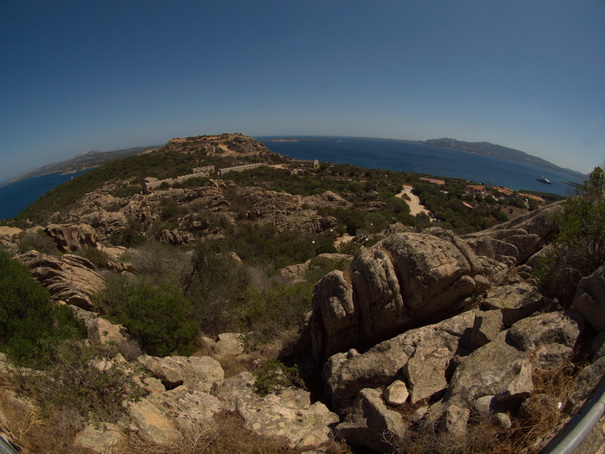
(543, 180)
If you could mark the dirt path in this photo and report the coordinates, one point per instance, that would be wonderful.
(414, 202)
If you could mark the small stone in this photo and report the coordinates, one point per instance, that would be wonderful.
(503, 421)
(396, 393)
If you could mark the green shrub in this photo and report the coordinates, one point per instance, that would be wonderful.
(73, 384)
(29, 325)
(579, 247)
(274, 374)
(39, 241)
(276, 309)
(96, 256)
(215, 284)
(159, 318)
(129, 237)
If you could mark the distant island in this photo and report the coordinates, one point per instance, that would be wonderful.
(497, 151)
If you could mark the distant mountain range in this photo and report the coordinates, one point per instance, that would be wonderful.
(84, 161)
(97, 158)
(497, 151)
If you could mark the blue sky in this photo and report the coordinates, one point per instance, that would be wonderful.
(80, 75)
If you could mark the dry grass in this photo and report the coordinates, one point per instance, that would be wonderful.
(227, 435)
(31, 433)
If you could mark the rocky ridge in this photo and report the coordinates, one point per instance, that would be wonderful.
(426, 321)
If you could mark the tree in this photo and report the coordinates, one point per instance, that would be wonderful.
(579, 247)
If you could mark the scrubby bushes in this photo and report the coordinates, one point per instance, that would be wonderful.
(29, 325)
(159, 318)
(579, 247)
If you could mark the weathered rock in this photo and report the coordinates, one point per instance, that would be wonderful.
(433, 273)
(586, 381)
(455, 420)
(68, 278)
(487, 326)
(71, 237)
(515, 301)
(519, 238)
(112, 338)
(404, 280)
(590, 299)
(188, 408)
(396, 393)
(549, 337)
(230, 344)
(194, 372)
(345, 374)
(288, 413)
(152, 424)
(176, 236)
(9, 238)
(233, 389)
(425, 371)
(334, 321)
(494, 369)
(99, 439)
(379, 303)
(371, 424)
(502, 368)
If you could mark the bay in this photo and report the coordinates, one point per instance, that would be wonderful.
(416, 158)
(370, 153)
(15, 197)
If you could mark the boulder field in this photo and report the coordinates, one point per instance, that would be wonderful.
(428, 333)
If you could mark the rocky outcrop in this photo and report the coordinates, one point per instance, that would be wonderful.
(428, 350)
(516, 240)
(371, 424)
(176, 236)
(590, 299)
(287, 413)
(9, 237)
(194, 372)
(68, 278)
(71, 237)
(404, 280)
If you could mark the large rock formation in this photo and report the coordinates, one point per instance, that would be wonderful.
(516, 240)
(68, 278)
(71, 237)
(405, 280)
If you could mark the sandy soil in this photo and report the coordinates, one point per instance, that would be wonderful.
(414, 202)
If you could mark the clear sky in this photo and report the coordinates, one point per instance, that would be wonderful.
(80, 75)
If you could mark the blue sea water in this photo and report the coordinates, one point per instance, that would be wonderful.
(416, 158)
(17, 196)
(369, 153)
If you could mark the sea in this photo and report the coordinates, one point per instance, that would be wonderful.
(17, 196)
(417, 158)
(370, 153)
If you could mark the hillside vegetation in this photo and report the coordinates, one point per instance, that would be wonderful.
(225, 299)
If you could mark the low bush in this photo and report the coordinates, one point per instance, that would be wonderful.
(579, 247)
(73, 384)
(274, 374)
(159, 318)
(39, 241)
(29, 325)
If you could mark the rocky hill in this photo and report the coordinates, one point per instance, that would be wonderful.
(221, 313)
(498, 151)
